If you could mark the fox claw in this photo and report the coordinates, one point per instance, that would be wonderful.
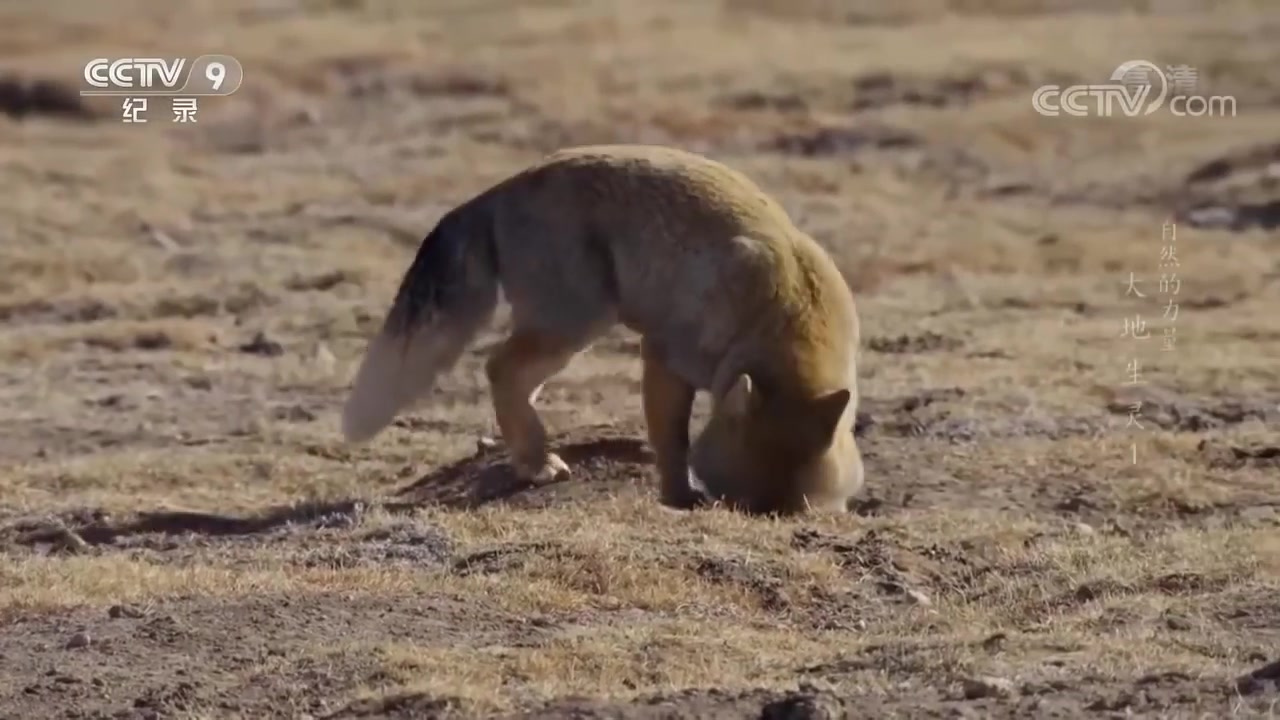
(553, 469)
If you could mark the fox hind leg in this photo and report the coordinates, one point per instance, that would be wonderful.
(517, 370)
(668, 403)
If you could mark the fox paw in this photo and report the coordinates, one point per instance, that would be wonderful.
(552, 469)
(686, 500)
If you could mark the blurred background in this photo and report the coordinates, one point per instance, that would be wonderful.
(386, 111)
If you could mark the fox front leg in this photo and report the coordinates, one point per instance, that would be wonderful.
(517, 370)
(668, 402)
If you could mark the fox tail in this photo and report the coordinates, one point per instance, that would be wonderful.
(446, 297)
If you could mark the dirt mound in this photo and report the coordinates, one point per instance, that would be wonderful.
(976, 697)
(715, 704)
(604, 460)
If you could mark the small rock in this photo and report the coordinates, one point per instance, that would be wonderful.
(306, 116)
(155, 340)
(1258, 680)
(1083, 528)
(262, 345)
(985, 687)
(1007, 186)
(485, 443)
(919, 598)
(293, 413)
(995, 642)
(1211, 217)
(79, 640)
(863, 423)
(160, 237)
(123, 611)
(1177, 623)
(336, 521)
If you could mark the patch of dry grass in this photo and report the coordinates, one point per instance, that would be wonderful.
(641, 601)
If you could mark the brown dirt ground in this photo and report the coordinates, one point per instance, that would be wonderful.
(182, 534)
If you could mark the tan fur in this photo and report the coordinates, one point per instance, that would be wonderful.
(728, 295)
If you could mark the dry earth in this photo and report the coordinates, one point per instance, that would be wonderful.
(182, 534)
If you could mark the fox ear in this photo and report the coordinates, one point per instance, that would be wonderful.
(828, 409)
(738, 400)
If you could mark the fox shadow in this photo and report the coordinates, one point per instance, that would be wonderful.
(605, 462)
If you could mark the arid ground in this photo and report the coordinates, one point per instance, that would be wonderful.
(183, 533)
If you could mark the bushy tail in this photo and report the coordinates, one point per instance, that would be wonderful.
(448, 294)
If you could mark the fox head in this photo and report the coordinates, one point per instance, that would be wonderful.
(777, 454)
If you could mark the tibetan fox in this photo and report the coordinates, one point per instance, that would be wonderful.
(727, 294)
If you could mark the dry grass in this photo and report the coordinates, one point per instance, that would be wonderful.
(181, 309)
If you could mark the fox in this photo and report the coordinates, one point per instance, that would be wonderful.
(727, 295)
